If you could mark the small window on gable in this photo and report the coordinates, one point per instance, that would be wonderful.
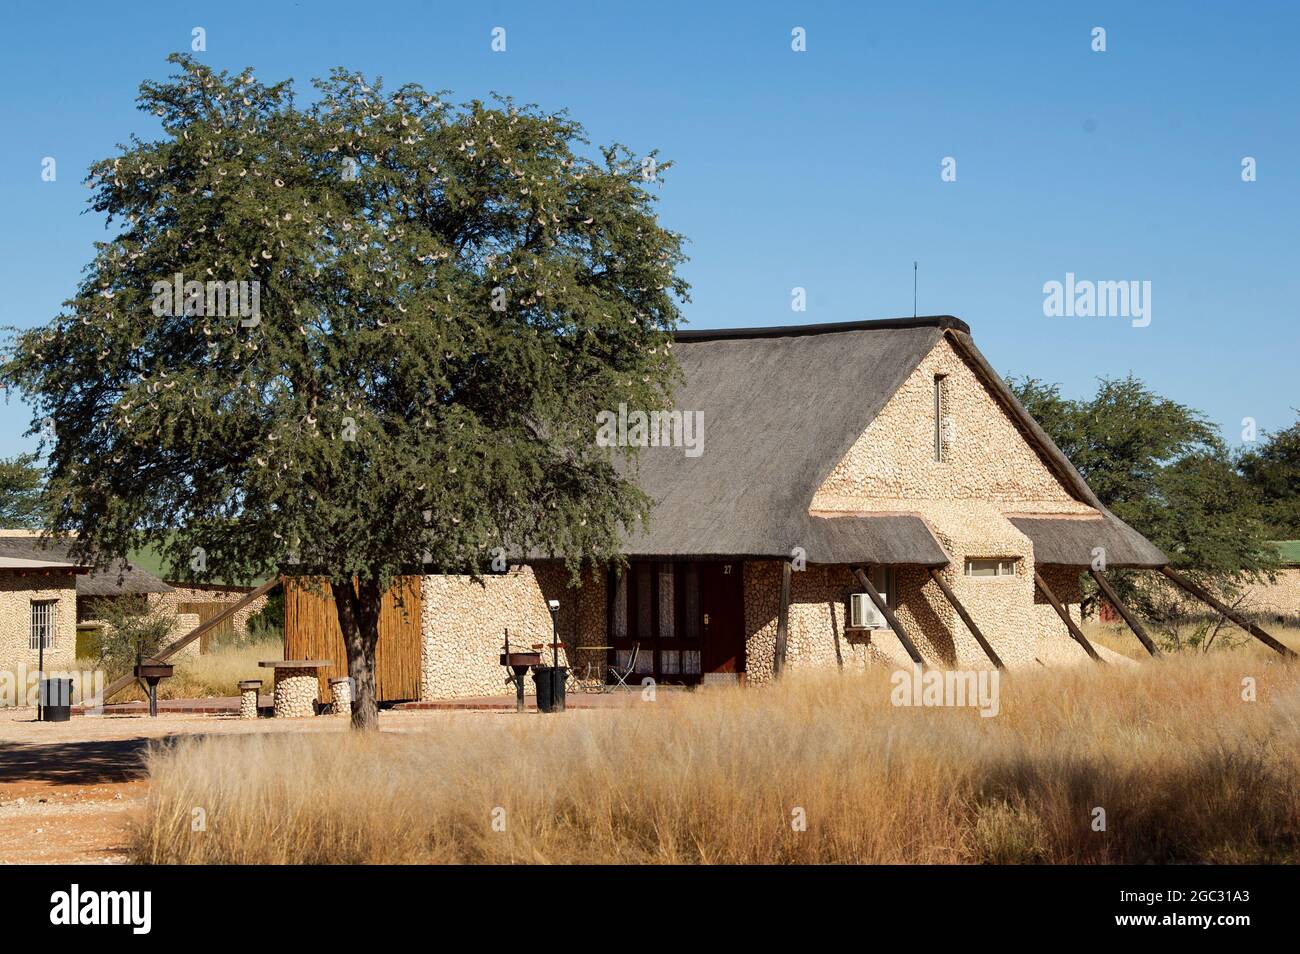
(939, 402)
(990, 567)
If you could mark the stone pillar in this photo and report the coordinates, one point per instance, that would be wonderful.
(295, 692)
(341, 696)
(248, 690)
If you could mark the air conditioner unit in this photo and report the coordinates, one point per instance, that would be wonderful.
(863, 613)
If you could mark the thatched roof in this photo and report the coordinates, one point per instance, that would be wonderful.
(781, 407)
(27, 552)
(118, 579)
(1070, 541)
(886, 537)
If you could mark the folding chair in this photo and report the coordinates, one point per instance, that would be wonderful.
(621, 674)
(583, 676)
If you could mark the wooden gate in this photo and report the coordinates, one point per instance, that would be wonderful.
(311, 631)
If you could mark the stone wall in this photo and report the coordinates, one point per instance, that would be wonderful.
(464, 622)
(818, 635)
(18, 590)
(183, 594)
(989, 471)
(1279, 600)
(184, 623)
(986, 456)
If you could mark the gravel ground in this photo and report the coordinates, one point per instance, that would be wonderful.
(68, 790)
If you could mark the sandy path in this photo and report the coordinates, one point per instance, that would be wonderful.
(68, 791)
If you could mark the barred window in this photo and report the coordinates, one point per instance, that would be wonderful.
(42, 635)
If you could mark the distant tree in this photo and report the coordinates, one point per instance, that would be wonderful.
(446, 297)
(268, 622)
(1164, 470)
(20, 493)
(1273, 471)
(132, 629)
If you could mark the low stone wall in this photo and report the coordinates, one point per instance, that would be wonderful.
(185, 623)
(1279, 600)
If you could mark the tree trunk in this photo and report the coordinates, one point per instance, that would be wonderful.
(357, 604)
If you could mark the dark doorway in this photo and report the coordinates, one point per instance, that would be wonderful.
(722, 603)
(684, 619)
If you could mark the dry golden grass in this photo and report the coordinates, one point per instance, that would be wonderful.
(1118, 637)
(1185, 769)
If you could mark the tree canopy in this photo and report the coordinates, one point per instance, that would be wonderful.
(20, 493)
(1163, 469)
(1273, 470)
(360, 335)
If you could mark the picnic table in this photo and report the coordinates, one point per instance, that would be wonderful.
(295, 686)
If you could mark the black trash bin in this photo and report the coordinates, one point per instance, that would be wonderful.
(56, 700)
(550, 687)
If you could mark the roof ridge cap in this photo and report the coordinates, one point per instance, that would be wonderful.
(945, 322)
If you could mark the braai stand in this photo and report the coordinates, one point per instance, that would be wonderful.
(520, 662)
(152, 672)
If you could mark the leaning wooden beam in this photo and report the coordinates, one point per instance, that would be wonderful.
(890, 618)
(1113, 598)
(1206, 597)
(118, 685)
(1061, 611)
(937, 576)
(782, 620)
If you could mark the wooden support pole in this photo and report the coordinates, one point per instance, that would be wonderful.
(890, 618)
(937, 576)
(1113, 598)
(782, 620)
(1061, 611)
(117, 685)
(1206, 597)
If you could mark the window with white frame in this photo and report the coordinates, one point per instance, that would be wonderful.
(990, 567)
(42, 632)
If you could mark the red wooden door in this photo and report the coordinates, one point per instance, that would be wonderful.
(722, 605)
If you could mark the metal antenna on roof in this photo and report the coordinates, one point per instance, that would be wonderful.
(914, 289)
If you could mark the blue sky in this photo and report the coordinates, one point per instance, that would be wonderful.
(818, 169)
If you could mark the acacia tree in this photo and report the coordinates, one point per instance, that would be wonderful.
(1273, 470)
(445, 297)
(20, 492)
(1161, 467)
